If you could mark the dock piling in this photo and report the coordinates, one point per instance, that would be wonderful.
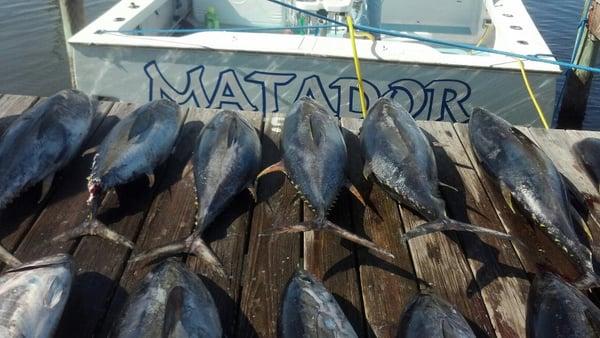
(578, 82)
(72, 14)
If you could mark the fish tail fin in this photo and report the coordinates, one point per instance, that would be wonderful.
(193, 245)
(326, 225)
(445, 224)
(8, 258)
(93, 227)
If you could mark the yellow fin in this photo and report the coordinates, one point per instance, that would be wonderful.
(279, 166)
(507, 195)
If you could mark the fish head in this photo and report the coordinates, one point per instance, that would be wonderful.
(490, 135)
(74, 110)
(588, 153)
(430, 316)
(483, 121)
(304, 278)
(35, 294)
(557, 309)
(309, 310)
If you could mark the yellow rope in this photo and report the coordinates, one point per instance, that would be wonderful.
(365, 35)
(361, 90)
(531, 95)
(483, 36)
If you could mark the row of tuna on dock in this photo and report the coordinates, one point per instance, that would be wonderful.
(173, 302)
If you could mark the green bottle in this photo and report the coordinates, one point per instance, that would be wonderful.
(210, 18)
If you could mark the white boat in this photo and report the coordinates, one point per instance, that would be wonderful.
(259, 60)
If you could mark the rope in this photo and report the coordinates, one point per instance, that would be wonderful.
(365, 35)
(578, 39)
(443, 43)
(483, 36)
(532, 95)
(361, 90)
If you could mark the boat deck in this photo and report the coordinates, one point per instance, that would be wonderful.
(485, 278)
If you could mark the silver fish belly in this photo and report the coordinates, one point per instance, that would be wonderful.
(33, 297)
(309, 310)
(171, 301)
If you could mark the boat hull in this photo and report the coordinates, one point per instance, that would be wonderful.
(267, 82)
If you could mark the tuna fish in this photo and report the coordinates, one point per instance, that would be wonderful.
(171, 301)
(314, 158)
(33, 297)
(225, 162)
(309, 310)
(556, 309)
(39, 142)
(588, 152)
(429, 316)
(527, 176)
(135, 146)
(400, 158)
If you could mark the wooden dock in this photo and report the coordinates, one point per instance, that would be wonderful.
(485, 278)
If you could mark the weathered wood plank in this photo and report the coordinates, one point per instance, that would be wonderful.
(387, 285)
(228, 237)
(332, 260)
(25, 210)
(538, 249)
(499, 275)
(14, 105)
(271, 259)
(123, 211)
(11, 106)
(438, 258)
(170, 217)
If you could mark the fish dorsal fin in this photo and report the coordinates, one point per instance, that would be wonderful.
(232, 133)
(519, 134)
(447, 331)
(140, 125)
(174, 312)
(316, 130)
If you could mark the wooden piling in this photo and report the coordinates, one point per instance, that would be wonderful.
(578, 82)
(72, 13)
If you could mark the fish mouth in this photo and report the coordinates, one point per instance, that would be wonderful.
(304, 276)
(50, 261)
(95, 190)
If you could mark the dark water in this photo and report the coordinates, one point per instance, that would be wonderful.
(32, 57)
